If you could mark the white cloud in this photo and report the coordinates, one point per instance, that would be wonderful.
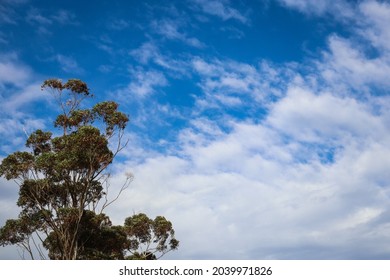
(307, 180)
(25, 96)
(346, 64)
(18, 93)
(143, 83)
(15, 118)
(64, 17)
(45, 19)
(233, 33)
(7, 14)
(305, 175)
(149, 52)
(118, 24)
(310, 174)
(68, 64)
(338, 9)
(323, 117)
(243, 191)
(363, 59)
(232, 84)
(145, 53)
(12, 71)
(169, 29)
(3, 39)
(105, 68)
(221, 9)
(376, 20)
(311, 6)
(35, 16)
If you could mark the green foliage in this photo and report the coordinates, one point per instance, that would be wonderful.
(17, 165)
(61, 182)
(14, 232)
(73, 85)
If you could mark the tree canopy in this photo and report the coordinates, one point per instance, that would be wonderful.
(63, 184)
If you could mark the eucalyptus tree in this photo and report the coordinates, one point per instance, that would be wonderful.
(63, 182)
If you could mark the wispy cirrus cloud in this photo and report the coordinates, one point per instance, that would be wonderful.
(170, 29)
(231, 84)
(3, 39)
(8, 12)
(35, 16)
(149, 52)
(12, 71)
(68, 64)
(118, 24)
(221, 9)
(339, 9)
(44, 22)
(19, 91)
(64, 17)
(143, 83)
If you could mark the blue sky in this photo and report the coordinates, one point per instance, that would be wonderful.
(259, 128)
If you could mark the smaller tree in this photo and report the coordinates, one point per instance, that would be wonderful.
(148, 237)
